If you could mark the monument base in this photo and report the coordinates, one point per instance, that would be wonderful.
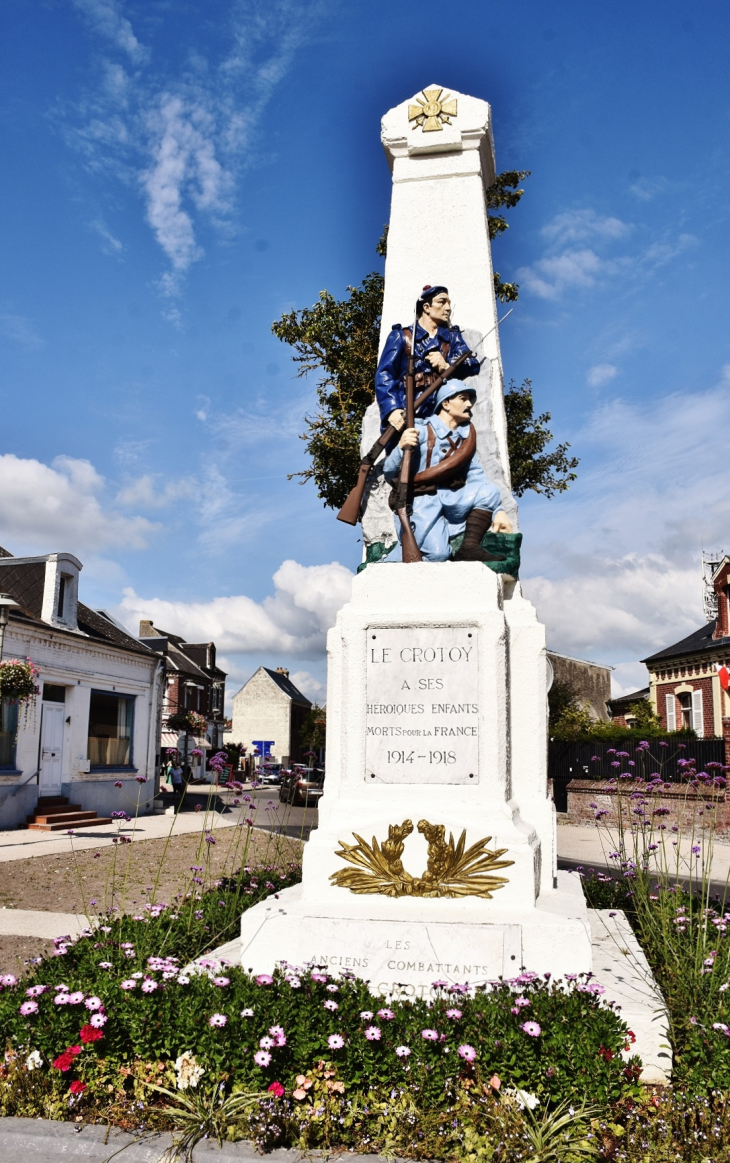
(403, 953)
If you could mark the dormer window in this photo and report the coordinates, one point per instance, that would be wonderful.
(62, 585)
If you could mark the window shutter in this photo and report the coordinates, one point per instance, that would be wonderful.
(671, 713)
(698, 721)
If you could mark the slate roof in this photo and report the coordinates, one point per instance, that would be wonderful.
(694, 643)
(622, 702)
(287, 686)
(24, 583)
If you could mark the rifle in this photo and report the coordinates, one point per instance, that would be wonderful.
(404, 488)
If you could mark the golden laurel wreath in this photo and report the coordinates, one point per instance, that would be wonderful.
(452, 870)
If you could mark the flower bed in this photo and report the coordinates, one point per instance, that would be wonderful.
(115, 1012)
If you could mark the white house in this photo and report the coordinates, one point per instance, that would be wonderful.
(268, 714)
(95, 722)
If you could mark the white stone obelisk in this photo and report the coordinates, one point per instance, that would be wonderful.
(437, 679)
(439, 233)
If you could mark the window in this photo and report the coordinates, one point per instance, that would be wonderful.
(53, 693)
(110, 729)
(62, 582)
(685, 705)
(8, 732)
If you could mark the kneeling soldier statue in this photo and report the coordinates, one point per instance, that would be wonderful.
(451, 491)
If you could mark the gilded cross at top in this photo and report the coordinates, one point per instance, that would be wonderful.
(434, 112)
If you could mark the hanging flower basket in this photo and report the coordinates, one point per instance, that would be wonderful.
(188, 721)
(18, 680)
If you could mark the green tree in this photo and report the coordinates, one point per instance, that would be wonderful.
(314, 727)
(645, 718)
(339, 338)
(532, 467)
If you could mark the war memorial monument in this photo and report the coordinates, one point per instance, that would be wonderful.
(435, 855)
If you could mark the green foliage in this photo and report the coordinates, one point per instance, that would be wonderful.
(527, 439)
(339, 338)
(314, 727)
(504, 193)
(664, 884)
(562, 697)
(645, 718)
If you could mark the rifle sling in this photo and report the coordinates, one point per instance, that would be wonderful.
(452, 465)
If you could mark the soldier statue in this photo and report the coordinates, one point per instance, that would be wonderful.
(451, 491)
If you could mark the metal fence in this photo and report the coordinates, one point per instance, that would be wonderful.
(568, 761)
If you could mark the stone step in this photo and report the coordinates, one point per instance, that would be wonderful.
(53, 810)
(51, 801)
(70, 823)
(63, 818)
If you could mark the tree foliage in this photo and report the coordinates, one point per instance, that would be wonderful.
(314, 727)
(532, 467)
(339, 338)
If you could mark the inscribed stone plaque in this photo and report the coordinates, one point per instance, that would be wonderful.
(422, 713)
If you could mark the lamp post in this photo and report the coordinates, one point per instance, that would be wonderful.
(6, 604)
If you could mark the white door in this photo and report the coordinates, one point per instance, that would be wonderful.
(52, 719)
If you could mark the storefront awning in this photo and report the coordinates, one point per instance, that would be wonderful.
(177, 739)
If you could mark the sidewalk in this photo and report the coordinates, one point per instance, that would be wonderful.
(20, 843)
(589, 846)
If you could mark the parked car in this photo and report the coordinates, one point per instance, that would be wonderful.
(301, 786)
(270, 774)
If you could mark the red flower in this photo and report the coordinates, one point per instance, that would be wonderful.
(77, 1087)
(276, 1088)
(604, 1052)
(90, 1034)
(64, 1061)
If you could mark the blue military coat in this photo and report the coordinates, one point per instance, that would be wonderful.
(390, 376)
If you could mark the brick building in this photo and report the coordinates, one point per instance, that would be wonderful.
(193, 682)
(684, 679)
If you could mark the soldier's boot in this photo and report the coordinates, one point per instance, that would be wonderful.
(477, 524)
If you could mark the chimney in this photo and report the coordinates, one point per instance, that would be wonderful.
(280, 670)
(147, 630)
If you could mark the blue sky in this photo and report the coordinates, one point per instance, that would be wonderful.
(176, 175)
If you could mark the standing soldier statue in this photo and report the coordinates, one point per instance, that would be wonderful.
(450, 491)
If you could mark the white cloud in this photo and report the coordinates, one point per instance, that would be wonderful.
(105, 18)
(615, 570)
(144, 492)
(111, 245)
(309, 686)
(600, 374)
(549, 277)
(645, 189)
(182, 140)
(580, 225)
(60, 506)
(19, 329)
(293, 621)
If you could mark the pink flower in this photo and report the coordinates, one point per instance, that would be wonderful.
(98, 1020)
(262, 1058)
(366, 1015)
(430, 1035)
(29, 1007)
(60, 999)
(276, 1088)
(217, 1020)
(402, 1051)
(278, 1035)
(331, 1005)
(387, 1015)
(531, 1028)
(36, 990)
(149, 986)
(266, 1043)
(467, 1052)
(372, 1034)
(8, 979)
(77, 1087)
(75, 999)
(453, 1014)
(221, 981)
(118, 783)
(105, 965)
(495, 1082)
(128, 984)
(335, 1041)
(321, 977)
(94, 1003)
(264, 979)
